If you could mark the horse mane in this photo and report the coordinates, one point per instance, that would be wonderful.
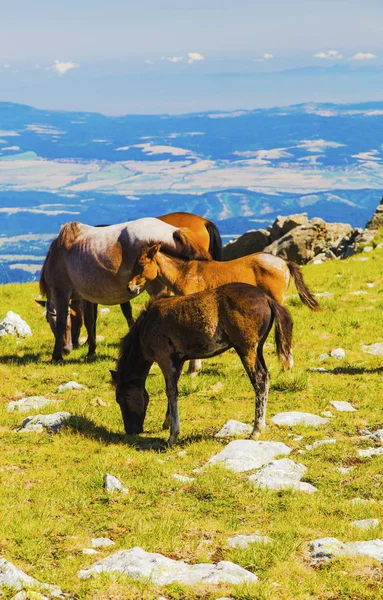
(129, 344)
(68, 233)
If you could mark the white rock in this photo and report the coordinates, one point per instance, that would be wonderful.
(101, 542)
(89, 551)
(323, 356)
(366, 523)
(299, 438)
(112, 484)
(71, 385)
(345, 470)
(161, 570)
(183, 478)
(319, 370)
(282, 474)
(327, 413)
(29, 596)
(290, 419)
(13, 324)
(246, 455)
(362, 258)
(326, 548)
(368, 452)
(370, 285)
(378, 434)
(243, 541)
(320, 443)
(232, 428)
(368, 249)
(53, 422)
(182, 453)
(13, 577)
(342, 406)
(104, 311)
(26, 404)
(338, 353)
(376, 348)
(324, 294)
(358, 293)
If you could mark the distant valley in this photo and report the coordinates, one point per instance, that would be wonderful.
(240, 169)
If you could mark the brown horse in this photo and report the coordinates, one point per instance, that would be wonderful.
(182, 276)
(205, 234)
(173, 330)
(94, 264)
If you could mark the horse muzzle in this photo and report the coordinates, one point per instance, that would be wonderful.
(134, 289)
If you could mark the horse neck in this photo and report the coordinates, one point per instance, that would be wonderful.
(173, 272)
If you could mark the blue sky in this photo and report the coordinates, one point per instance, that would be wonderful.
(176, 56)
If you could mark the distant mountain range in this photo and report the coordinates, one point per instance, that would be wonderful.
(240, 169)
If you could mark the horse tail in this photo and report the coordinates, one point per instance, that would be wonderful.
(215, 246)
(304, 293)
(283, 333)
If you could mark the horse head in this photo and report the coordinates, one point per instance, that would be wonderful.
(144, 269)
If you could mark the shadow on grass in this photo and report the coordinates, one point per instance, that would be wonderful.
(355, 370)
(45, 359)
(22, 360)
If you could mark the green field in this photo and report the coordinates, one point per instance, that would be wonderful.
(53, 501)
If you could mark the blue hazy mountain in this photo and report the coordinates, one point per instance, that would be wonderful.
(240, 168)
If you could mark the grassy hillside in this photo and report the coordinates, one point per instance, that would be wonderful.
(53, 502)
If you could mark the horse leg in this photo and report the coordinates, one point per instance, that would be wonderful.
(194, 367)
(171, 375)
(256, 369)
(127, 312)
(76, 321)
(61, 303)
(90, 318)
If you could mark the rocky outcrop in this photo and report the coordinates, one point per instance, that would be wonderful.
(376, 220)
(302, 241)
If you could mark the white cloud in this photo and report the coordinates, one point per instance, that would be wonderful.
(266, 56)
(192, 56)
(62, 67)
(173, 59)
(363, 56)
(148, 62)
(330, 55)
(11, 148)
(318, 146)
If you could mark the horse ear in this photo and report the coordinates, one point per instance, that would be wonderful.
(115, 377)
(152, 251)
(41, 302)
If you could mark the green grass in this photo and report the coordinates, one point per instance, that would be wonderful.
(53, 502)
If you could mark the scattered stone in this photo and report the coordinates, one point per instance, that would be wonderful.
(376, 348)
(327, 414)
(26, 404)
(30, 595)
(13, 324)
(320, 443)
(345, 470)
(104, 311)
(368, 452)
(338, 353)
(183, 478)
(358, 292)
(243, 541)
(324, 295)
(52, 422)
(323, 356)
(161, 570)
(299, 438)
(182, 453)
(366, 523)
(101, 542)
(342, 406)
(368, 249)
(112, 484)
(216, 387)
(71, 385)
(370, 285)
(89, 551)
(362, 258)
(233, 428)
(319, 370)
(13, 577)
(282, 474)
(246, 455)
(378, 434)
(324, 549)
(359, 500)
(290, 419)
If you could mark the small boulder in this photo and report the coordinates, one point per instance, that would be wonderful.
(342, 406)
(243, 541)
(248, 243)
(282, 474)
(13, 324)
(90, 551)
(320, 443)
(112, 484)
(13, 577)
(368, 452)
(366, 523)
(338, 353)
(71, 385)
(183, 478)
(52, 422)
(376, 348)
(105, 311)
(290, 419)
(101, 542)
(29, 403)
(233, 428)
(247, 455)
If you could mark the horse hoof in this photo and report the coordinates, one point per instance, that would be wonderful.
(90, 357)
(57, 361)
